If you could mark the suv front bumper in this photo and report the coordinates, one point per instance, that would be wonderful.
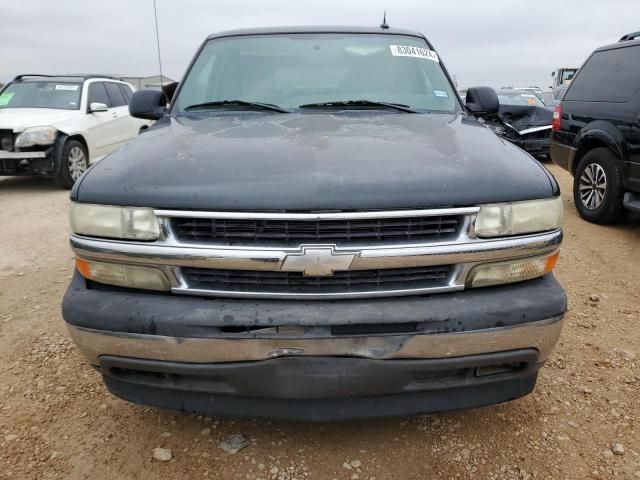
(318, 360)
(43, 162)
(533, 147)
(25, 163)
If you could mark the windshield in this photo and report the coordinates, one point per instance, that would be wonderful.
(41, 94)
(520, 99)
(302, 69)
(568, 74)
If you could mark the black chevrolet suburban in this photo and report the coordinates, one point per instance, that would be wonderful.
(316, 228)
(596, 132)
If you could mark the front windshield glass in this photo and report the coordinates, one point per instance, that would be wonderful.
(520, 99)
(568, 74)
(41, 94)
(299, 69)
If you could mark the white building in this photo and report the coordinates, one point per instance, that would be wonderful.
(153, 82)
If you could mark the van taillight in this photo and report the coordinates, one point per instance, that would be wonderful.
(557, 115)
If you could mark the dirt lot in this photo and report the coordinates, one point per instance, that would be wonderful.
(58, 421)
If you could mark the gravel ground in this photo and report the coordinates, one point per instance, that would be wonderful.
(58, 421)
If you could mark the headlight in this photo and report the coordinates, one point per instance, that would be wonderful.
(36, 136)
(132, 223)
(512, 271)
(132, 276)
(517, 218)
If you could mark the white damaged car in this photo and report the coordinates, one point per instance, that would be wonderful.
(56, 126)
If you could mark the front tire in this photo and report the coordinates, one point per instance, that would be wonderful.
(74, 162)
(597, 187)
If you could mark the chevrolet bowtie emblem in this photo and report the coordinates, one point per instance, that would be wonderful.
(317, 261)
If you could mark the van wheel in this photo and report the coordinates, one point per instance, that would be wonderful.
(597, 187)
(73, 164)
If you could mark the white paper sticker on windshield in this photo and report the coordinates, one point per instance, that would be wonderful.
(72, 88)
(409, 51)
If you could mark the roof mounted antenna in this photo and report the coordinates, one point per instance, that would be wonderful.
(384, 25)
(155, 14)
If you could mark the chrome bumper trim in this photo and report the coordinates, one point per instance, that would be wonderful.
(450, 286)
(20, 155)
(271, 259)
(531, 130)
(463, 254)
(541, 335)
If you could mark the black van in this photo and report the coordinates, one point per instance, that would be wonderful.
(596, 132)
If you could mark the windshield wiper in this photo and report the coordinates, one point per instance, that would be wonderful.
(237, 103)
(360, 103)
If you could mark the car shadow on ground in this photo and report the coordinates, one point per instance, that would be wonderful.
(632, 219)
(27, 184)
(630, 224)
(629, 228)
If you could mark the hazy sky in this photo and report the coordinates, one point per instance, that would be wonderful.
(487, 42)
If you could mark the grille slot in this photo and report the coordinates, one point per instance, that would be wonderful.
(375, 329)
(534, 144)
(6, 140)
(254, 281)
(369, 231)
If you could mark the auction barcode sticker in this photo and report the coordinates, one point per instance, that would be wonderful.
(72, 88)
(409, 51)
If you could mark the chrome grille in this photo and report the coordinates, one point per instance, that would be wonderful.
(366, 268)
(352, 281)
(287, 232)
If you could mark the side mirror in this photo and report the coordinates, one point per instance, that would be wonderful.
(97, 107)
(553, 74)
(482, 101)
(147, 104)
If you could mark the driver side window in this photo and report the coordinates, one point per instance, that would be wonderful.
(98, 94)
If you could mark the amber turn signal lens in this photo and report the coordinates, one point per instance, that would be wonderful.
(551, 262)
(123, 275)
(83, 267)
(485, 275)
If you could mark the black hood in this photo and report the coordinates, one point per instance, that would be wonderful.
(522, 117)
(312, 162)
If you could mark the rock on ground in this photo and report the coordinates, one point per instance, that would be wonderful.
(234, 443)
(162, 454)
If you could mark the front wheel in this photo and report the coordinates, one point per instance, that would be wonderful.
(597, 187)
(73, 164)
